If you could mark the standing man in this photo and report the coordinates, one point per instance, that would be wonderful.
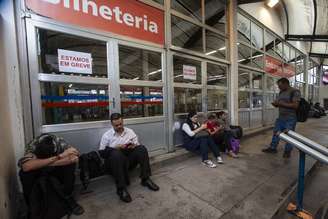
(121, 149)
(287, 102)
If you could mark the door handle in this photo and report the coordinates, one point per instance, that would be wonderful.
(114, 103)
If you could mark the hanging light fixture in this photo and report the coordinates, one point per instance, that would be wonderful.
(272, 3)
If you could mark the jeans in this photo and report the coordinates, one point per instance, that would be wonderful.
(281, 125)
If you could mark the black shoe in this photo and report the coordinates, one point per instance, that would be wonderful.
(269, 150)
(150, 184)
(286, 154)
(75, 208)
(124, 195)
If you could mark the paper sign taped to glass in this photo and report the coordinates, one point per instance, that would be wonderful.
(76, 62)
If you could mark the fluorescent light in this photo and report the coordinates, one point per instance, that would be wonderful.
(70, 85)
(155, 72)
(241, 60)
(214, 51)
(272, 3)
(178, 76)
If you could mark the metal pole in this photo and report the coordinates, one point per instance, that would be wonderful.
(300, 186)
(308, 142)
(306, 149)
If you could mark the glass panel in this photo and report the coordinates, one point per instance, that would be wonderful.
(269, 43)
(243, 79)
(186, 35)
(270, 84)
(257, 36)
(215, 45)
(80, 56)
(279, 48)
(257, 81)
(186, 70)
(257, 59)
(138, 64)
(141, 101)
(215, 14)
(186, 100)
(187, 7)
(286, 55)
(243, 99)
(257, 99)
(244, 28)
(159, 1)
(244, 54)
(217, 99)
(68, 103)
(216, 75)
(269, 99)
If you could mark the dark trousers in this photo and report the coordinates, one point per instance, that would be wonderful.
(119, 161)
(64, 174)
(224, 140)
(202, 145)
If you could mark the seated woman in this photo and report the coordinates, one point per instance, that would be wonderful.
(198, 140)
(225, 134)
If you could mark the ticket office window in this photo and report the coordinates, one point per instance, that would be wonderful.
(66, 54)
(72, 102)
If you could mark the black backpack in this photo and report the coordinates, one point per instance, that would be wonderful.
(303, 110)
(91, 166)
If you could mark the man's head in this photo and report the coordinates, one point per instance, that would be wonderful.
(117, 122)
(283, 84)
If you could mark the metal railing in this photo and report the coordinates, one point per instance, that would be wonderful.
(313, 149)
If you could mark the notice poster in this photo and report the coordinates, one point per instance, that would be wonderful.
(189, 72)
(76, 62)
(325, 76)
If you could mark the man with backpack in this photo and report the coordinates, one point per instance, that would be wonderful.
(288, 103)
(47, 175)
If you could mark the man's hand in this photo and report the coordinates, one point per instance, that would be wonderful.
(275, 103)
(69, 152)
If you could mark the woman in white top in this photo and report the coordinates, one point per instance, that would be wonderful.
(197, 140)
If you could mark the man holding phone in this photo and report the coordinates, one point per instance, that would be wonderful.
(123, 152)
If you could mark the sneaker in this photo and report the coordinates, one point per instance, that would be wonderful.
(232, 154)
(286, 154)
(269, 150)
(219, 160)
(209, 163)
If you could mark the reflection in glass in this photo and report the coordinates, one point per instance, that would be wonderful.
(138, 64)
(244, 28)
(187, 7)
(244, 54)
(216, 75)
(270, 83)
(141, 101)
(186, 35)
(217, 99)
(215, 14)
(186, 100)
(243, 79)
(215, 45)
(257, 36)
(68, 103)
(257, 81)
(243, 99)
(257, 99)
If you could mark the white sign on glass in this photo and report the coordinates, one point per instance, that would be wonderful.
(76, 62)
(189, 72)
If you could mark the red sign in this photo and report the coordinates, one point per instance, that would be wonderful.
(125, 17)
(274, 67)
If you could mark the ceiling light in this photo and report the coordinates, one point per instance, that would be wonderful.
(272, 3)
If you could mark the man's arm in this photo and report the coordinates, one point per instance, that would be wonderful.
(34, 164)
(292, 105)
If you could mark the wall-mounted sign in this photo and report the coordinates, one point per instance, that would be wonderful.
(189, 72)
(124, 17)
(277, 68)
(76, 62)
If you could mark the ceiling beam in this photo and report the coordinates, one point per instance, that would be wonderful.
(248, 1)
(308, 38)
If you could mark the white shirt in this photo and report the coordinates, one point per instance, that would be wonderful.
(186, 128)
(112, 139)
